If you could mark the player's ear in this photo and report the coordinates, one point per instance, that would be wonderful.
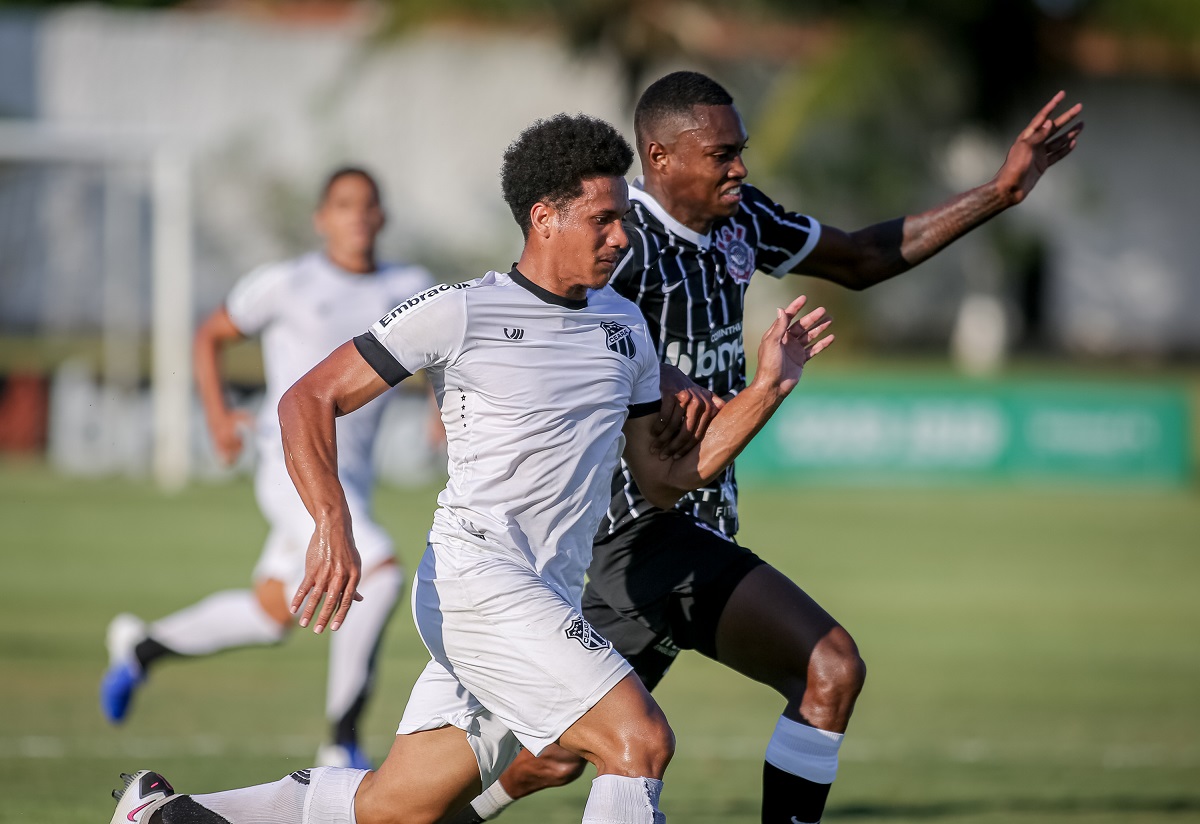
(541, 217)
(656, 157)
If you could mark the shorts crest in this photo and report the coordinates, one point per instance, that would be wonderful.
(582, 632)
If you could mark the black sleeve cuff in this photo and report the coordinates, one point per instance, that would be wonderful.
(380, 359)
(640, 410)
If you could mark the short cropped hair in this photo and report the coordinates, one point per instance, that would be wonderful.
(346, 171)
(549, 161)
(674, 95)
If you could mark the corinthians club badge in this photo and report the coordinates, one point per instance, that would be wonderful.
(739, 257)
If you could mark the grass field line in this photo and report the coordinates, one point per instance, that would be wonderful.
(735, 748)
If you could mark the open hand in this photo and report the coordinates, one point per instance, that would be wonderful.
(789, 343)
(332, 569)
(228, 434)
(1044, 142)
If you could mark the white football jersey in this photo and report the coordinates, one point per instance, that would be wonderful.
(304, 309)
(534, 390)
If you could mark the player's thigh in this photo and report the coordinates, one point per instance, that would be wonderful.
(518, 646)
(661, 584)
(649, 655)
(439, 700)
(425, 776)
(769, 628)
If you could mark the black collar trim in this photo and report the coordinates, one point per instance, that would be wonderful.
(544, 295)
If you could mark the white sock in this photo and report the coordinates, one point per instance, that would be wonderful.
(322, 795)
(491, 802)
(805, 751)
(352, 648)
(330, 799)
(618, 799)
(275, 803)
(233, 618)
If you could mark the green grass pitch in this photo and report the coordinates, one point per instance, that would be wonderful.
(1033, 655)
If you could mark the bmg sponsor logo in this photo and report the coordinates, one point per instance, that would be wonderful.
(702, 359)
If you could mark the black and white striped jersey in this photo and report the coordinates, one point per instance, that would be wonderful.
(691, 289)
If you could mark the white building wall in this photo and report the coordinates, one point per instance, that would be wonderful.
(270, 108)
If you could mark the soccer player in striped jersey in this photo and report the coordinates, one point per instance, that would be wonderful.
(545, 377)
(663, 580)
(301, 309)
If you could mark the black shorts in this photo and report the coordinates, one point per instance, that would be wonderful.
(660, 585)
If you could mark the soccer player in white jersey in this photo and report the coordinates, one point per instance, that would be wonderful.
(301, 309)
(544, 374)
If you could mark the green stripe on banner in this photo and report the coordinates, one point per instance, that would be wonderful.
(858, 430)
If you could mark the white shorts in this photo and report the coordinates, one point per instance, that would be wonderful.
(292, 527)
(513, 661)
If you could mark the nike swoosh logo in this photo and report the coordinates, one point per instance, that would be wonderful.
(134, 812)
(671, 287)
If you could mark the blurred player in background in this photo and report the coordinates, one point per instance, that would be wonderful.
(301, 309)
(666, 580)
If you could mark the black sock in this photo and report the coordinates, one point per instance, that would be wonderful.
(345, 729)
(149, 651)
(467, 815)
(789, 798)
(183, 810)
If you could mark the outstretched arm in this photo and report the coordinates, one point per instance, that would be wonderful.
(341, 383)
(874, 254)
(786, 346)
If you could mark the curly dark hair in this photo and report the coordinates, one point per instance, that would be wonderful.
(673, 95)
(549, 161)
(347, 171)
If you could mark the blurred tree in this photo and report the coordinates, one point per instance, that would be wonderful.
(144, 4)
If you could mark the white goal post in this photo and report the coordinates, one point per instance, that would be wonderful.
(168, 165)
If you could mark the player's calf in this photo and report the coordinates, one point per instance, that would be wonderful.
(802, 758)
(555, 767)
(528, 774)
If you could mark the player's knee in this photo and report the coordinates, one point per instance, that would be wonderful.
(272, 600)
(644, 749)
(660, 748)
(836, 666)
